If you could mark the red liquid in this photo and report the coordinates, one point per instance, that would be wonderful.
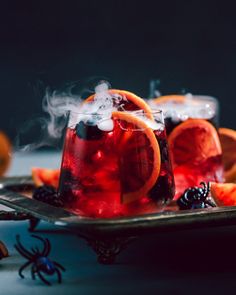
(192, 174)
(189, 175)
(98, 168)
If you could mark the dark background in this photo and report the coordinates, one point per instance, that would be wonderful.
(187, 45)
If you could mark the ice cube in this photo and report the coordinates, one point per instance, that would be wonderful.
(106, 125)
(154, 125)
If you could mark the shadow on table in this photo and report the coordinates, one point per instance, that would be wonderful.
(197, 250)
(193, 251)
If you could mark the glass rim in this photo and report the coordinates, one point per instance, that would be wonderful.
(205, 97)
(151, 111)
(201, 97)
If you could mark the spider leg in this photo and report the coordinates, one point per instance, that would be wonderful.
(35, 250)
(22, 252)
(207, 191)
(210, 203)
(58, 275)
(208, 187)
(59, 265)
(33, 271)
(22, 268)
(22, 248)
(44, 244)
(202, 183)
(47, 248)
(43, 279)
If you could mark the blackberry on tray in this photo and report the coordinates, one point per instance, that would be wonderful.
(49, 195)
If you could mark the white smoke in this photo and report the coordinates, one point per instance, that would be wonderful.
(98, 111)
(154, 90)
(48, 130)
(194, 106)
(57, 107)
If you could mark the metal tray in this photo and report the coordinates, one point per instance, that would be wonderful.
(109, 236)
(11, 195)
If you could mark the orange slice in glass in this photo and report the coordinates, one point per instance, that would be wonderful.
(228, 143)
(139, 156)
(43, 176)
(127, 101)
(193, 141)
(224, 194)
(5, 153)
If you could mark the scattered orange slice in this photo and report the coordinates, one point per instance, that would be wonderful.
(5, 153)
(193, 141)
(177, 99)
(3, 250)
(43, 176)
(128, 101)
(224, 194)
(228, 143)
(230, 175)
(139, 155)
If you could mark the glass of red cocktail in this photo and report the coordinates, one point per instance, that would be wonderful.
(192, 122)
(116, 164)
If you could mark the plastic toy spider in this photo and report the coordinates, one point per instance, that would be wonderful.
(39, 260)
(196, 198)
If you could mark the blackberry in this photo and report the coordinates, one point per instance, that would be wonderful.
(47, 194)
(164, 187)
(88, 132)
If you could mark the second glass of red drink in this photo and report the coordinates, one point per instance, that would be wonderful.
(192, 122)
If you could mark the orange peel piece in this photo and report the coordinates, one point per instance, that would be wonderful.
(5, 153)
(228, 142)
(43, 176)
(224, 194)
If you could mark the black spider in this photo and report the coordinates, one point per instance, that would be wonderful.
(196, 198)
(39, 260)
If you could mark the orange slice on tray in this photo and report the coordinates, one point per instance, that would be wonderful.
(5, 153)
(224, 194)
(139, 156)
(193, 141)
(126, 101)
(230, 175)
(43, 176)
(3, 250)
(175, 98)
(228, 143)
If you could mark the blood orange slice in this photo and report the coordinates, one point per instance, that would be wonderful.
(230, 175)
(5, 153)
(193, 141)
(126, 101)
(139, 156)
(228, 143)
(42, 176)
(224, 194)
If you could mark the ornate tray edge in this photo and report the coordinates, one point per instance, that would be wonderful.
(138, 225)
